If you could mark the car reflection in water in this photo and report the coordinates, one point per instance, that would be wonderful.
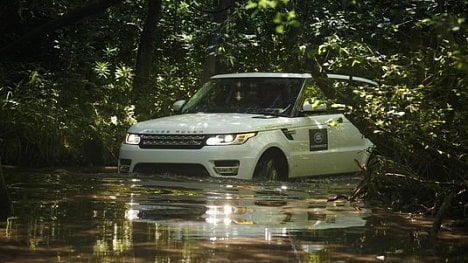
(248, 214)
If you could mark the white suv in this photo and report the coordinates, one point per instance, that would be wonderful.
(266, 126)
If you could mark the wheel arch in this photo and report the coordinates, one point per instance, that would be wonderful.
(277, 153)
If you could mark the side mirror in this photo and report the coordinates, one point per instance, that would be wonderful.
(177, 106)
(314, 107)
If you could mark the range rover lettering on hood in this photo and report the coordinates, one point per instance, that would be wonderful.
(148, 131)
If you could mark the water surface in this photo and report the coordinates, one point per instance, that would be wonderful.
(74, 217)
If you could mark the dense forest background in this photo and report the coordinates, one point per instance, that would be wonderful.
(75, 74)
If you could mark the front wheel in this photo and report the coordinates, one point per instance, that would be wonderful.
(272, 166)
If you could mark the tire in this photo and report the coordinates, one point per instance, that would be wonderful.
(272, 166)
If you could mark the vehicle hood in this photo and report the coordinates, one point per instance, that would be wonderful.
(209, 123)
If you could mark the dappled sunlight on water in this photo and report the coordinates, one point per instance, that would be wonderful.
(71, 217)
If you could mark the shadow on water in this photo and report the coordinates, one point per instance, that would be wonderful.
(72, 217)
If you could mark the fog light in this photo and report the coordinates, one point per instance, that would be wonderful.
(227, 167)
(124, 165)
(124, 169)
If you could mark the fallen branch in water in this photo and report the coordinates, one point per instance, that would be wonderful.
(412, 194)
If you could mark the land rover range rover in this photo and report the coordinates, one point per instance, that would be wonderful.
(271, 126)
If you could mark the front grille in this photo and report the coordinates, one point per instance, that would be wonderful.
(169, 141)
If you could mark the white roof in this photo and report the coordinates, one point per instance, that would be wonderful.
(346, 77)
(292, 75)
(263, 75)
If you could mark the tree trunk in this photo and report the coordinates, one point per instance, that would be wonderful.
(67, 19)
(5, 202)
(441, 213)
(142, 83)
(213, 65)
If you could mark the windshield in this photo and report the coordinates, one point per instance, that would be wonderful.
(271, 96)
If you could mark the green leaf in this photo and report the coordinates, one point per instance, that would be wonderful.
(102, 69)
(278, 18)
(316, 104)
(272, 4)
(294, 23)
(355, 62)
(291, 15)
(280, 29)
(263, 3)
(251, 5)
(332, 123)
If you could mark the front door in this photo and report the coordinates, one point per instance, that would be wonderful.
(323, 141)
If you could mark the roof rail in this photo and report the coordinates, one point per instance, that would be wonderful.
(351, 78)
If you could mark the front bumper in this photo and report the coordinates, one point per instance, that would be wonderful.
(233, 161)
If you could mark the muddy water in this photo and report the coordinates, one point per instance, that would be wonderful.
(71, 217)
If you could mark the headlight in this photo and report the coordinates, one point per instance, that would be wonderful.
(132, 138)
(229, 139)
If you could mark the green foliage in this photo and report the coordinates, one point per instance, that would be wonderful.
(57, 111)
(418, 52)
(282, 19)
(68, 95)
(31, 130)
